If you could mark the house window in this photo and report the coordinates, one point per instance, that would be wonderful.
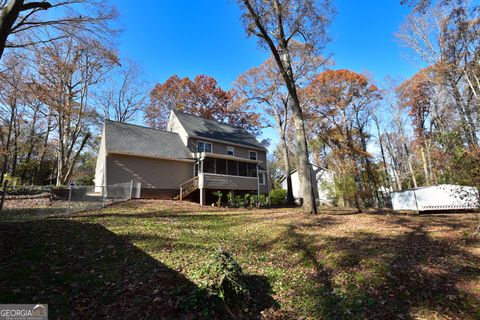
(230, 151)
(252, 155)
(261, 178)
(203, 146)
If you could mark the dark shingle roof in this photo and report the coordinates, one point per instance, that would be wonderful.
(206, 128)
(138, 140)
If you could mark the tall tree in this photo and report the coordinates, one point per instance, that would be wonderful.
(25, 23)
(276, 23)
(69, 70)
(344, 100)
(202, 97)
(445, 38)
(265, 86)
(126, 96)
(12, 83)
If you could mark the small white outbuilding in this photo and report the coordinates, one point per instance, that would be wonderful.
(434, 198)
(323, 177)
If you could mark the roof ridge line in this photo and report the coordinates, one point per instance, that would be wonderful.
(140, 126)
(214, 120)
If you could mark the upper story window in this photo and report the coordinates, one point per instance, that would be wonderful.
(230, 151)
(203, 146)
(252, 155)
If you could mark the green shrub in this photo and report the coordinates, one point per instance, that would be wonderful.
(230, 199)
(28, 190)
(219, 196)
(223, 276)
(278, 196)
(258, 201)
(248, 200)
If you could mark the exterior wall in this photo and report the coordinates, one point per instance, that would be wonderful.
(216, 181)
(322, 176)
(221, 148)
(241, 152)
(264, 187)
(100, 167)
(295, 185)
(175, 126)
(152, 173)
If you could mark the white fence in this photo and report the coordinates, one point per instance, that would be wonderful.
(82, 198)
(441, 197)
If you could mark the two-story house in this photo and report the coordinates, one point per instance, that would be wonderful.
(191, 159)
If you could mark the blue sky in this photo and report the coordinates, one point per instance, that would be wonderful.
(188, 38)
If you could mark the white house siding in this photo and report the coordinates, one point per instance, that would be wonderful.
(175, 126)
(322, 176)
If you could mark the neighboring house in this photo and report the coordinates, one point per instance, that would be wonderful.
(191, 159)
(323, 177)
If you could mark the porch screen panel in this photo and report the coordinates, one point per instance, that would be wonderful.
(252, 170)
(242, 169)
(232, 168)
(209, 165)
(221, 166)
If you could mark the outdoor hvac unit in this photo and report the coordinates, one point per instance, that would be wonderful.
(434, 198)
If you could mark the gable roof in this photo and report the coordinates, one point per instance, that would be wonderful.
(142, 141)
(198, 127)
(316, 169)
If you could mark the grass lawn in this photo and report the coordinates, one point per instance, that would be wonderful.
(141, 259)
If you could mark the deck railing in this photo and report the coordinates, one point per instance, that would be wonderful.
(188, 187)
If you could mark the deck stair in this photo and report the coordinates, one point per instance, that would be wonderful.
(188, 187)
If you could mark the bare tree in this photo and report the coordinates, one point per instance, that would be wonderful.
(68, 72)
(11, 86)
(127, 96)
(276, 23)
(265, 85)
(445, 38)
(26, 23)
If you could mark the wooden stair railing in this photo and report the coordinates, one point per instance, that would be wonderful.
(188, 187)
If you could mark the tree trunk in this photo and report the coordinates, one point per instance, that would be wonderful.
(288, 177)
(280, 52)
(303, 167)
(410, 167)
(385, 167)
(7, 145)
(44, 151)
(429, 161)
(8, 16)
(425, 166)
(372, 183)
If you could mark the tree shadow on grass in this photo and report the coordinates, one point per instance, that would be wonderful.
(85, 271)
(370, 276)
